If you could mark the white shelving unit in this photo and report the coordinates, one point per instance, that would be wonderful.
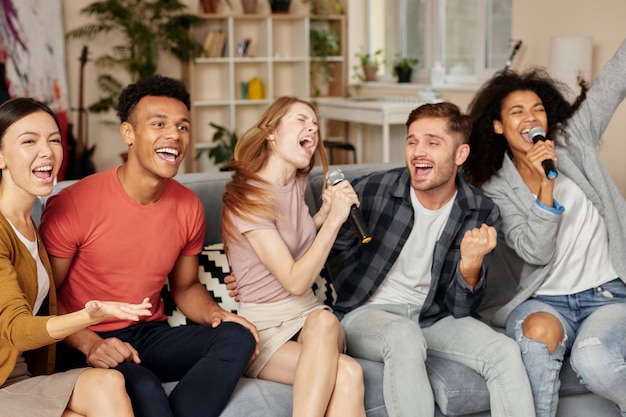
(278, 55)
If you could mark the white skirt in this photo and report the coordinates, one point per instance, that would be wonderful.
(277, 323)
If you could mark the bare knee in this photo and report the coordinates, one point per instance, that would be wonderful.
(105, 381)
(99, 392)
(321, 324)
(349, 376)
(545, 328)
(112, 378)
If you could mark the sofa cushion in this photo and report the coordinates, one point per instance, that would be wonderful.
(458, 390)
(213, 268)
(209, 189)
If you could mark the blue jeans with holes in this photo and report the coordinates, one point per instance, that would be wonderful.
(391, 334)
(206, 361)
(594, 323)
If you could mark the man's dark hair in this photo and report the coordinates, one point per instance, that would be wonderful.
(158, 86)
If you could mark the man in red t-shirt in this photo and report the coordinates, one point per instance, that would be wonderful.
(118, 235)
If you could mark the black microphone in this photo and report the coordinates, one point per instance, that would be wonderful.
(335, 176)
(536, 134)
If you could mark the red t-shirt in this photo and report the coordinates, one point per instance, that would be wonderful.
(122, 250)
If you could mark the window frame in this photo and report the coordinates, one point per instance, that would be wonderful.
(434, 42)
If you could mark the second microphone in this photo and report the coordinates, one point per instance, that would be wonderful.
(536, 134)
(335, 176)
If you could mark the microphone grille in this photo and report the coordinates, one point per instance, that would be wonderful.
(536, 131)
(334, 176)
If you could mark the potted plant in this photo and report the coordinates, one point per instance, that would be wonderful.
(249, 6)
(280, 6)
(403, 68)
(210, 6)
(368, 64)
(146, 28)
(324, 7)
(325, 42)
(223, 151)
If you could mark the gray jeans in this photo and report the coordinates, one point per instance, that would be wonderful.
(391, 334)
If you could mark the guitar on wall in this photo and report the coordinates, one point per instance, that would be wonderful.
(516, 46)
(80, 162)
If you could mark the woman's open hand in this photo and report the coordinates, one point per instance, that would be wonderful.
(101, 310)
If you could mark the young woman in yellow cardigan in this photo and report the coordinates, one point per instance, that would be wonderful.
(30, 156)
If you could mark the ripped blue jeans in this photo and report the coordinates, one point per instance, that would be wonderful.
(595, 334)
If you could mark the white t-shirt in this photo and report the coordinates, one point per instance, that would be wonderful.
(408, 280)
(582, 258)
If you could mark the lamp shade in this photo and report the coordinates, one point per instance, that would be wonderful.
(570, 56)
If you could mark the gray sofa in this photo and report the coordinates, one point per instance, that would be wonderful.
(459, 391)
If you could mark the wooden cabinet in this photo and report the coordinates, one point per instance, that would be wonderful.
(278, 55)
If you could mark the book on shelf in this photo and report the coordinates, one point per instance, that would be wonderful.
(209, 43)
(214, 44)
(218, 52)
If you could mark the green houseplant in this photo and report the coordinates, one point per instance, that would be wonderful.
(403, 68)
(325, 42)
(368, 64)
(147, 27)
(224, 149)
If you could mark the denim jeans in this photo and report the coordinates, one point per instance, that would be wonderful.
(594, 323)
(391, 334)
(207, 361)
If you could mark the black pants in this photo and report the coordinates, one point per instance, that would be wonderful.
(207, 362)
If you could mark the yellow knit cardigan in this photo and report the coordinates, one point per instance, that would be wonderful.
(20, 331)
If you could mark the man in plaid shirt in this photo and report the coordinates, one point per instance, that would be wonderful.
(414, 289)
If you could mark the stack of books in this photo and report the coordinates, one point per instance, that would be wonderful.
(214, 44)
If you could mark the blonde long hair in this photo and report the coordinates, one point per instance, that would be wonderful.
(243, 198)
